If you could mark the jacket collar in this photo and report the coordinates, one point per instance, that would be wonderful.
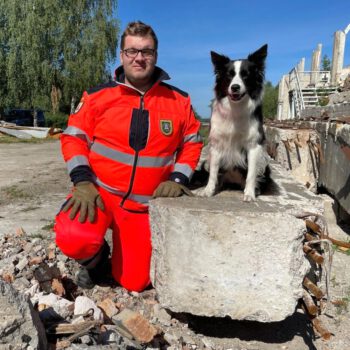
(158, 76)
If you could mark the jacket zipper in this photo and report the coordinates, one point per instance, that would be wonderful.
(132, 178)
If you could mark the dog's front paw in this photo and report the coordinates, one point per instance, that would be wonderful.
(204, 192)
(249, 196)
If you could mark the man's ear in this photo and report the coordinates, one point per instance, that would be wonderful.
(121, 56)
(219, 61)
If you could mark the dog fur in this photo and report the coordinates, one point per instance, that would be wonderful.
(236, 137)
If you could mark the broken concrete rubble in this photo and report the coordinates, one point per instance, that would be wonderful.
(321, 158)
(28, 132)
(20, 324)
(237, 259)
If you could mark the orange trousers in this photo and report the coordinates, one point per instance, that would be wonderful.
(131, 254)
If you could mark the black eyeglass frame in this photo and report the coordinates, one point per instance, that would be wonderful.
(147, 53)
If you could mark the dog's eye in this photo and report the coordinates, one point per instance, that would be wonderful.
(244, 73)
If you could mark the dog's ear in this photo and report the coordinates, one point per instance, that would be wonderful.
(219, 61)
(259, 55)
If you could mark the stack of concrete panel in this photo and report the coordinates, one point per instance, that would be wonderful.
(221, 256)
(292, 149)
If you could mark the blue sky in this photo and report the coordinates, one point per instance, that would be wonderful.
(188, 30)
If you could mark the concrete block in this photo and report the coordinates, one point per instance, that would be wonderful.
(136, 325)
(221, 256)
(335, 170)
(20, 325)
(290, 148)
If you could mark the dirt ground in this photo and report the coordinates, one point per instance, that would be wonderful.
(34, 183)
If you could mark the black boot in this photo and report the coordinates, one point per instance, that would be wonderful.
(96, 270)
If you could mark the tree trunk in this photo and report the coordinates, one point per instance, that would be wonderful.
(72, 105)
(35, 118)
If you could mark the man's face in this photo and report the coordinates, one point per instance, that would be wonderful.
(139, 69)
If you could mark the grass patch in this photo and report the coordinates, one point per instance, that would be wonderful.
(12, 139)
(342, 304)
(345, 251)
(36, 235)
(13, 192)
(49, 226)
(29, 209)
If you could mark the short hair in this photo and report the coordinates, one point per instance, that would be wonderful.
(139, 28)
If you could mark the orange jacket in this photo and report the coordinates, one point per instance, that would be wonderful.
(133, 141)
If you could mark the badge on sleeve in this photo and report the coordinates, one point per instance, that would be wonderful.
(79, 106)
(166, 127)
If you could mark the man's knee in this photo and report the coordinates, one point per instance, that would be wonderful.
(134, 283)
(76, 240)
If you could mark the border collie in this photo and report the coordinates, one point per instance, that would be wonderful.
(236, 137)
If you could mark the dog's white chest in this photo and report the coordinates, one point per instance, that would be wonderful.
(232, 133)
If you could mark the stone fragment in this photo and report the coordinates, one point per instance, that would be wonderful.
(161, 315)
(44, 274)
(57, 287)
(35, 260)
(60, 305)
(136, 325)
(221, 256)
(108, 307)
(8, 277)
(22, 264)
(83, 304)
(20, 324)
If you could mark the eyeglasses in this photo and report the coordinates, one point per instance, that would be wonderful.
(146, 53)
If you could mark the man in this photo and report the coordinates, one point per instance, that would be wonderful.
(128, 141)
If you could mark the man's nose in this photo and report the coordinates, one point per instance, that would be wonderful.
(139, 55)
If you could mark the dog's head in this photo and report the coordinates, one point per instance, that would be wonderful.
(241, 77)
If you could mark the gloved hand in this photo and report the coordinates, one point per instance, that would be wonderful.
(171, 189)
(85, 197)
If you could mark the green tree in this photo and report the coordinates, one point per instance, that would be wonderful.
(270, 100)
(326, 63)
(52, 50)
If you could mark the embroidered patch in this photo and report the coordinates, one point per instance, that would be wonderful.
(79, 106)
(166, 127)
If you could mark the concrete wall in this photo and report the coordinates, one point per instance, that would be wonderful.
(327, 166)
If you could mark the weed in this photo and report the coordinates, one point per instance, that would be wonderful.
(13, 192)
(49, 226)
(12, 139)
(36, 235)
(29, 209)
(342, 304)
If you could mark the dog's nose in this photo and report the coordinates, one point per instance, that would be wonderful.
(235, 88)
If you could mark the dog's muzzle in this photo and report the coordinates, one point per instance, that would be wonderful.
(236, 96)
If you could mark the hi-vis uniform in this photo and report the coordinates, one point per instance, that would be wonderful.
(131, 142)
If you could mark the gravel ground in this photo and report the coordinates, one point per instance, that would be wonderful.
(33, 184)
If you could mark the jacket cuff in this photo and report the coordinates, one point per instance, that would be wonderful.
(179, 178)
(81, 173)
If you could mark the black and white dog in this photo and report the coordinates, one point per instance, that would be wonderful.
(236, 137)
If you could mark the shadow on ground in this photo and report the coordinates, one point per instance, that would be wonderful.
(269, 333)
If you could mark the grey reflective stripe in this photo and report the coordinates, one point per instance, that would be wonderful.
(128, 159)
(74, 131)
(76, 161)
(193, 138)
(184, 169)
(135, 197)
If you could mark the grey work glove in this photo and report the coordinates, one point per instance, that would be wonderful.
(85, 197)
(171, 189)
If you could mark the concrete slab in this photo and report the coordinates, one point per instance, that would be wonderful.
(221, 256)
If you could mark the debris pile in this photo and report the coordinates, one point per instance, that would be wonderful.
(28, 132)
(105, 316)
(318, 249)
(109, 317)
